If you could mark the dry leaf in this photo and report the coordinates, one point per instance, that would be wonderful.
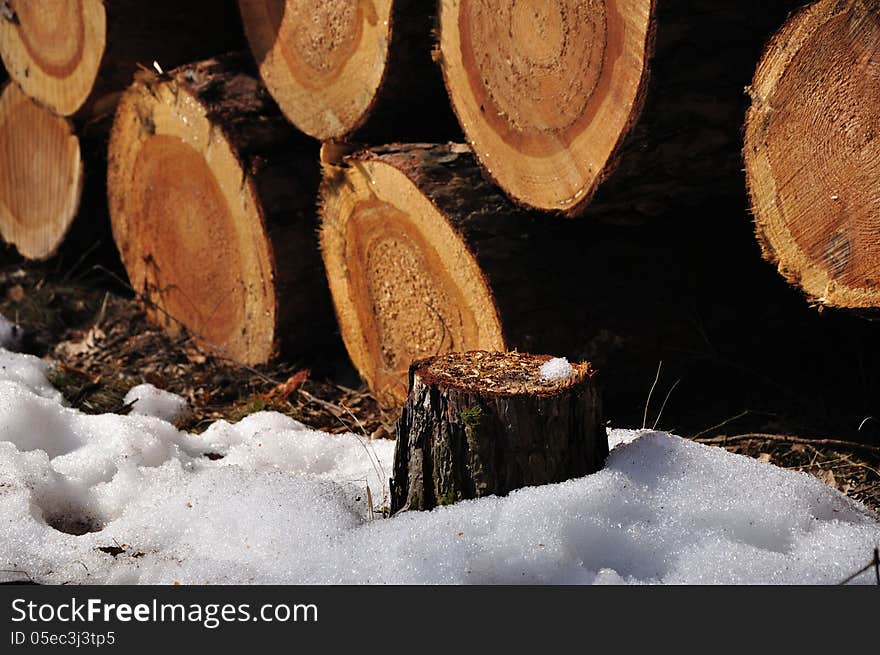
(828, 477)
(91, 343)
(194, 355)
(284, 390)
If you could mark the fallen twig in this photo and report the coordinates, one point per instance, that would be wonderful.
(873, 564)
(784, 438)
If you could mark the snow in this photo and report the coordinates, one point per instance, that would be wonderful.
(557, 368)
(268, 500)
(147, 400)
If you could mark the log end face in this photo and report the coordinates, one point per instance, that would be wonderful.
(188, 223)
(54, 49)
(404, 283)
(812, 153)
(41, 175)
(501, 374)
(322, 61)
(546, 91)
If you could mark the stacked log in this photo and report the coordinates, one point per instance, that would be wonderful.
(424, 256)
(212, 199)
(812, 152)
(73, 58)
(76, 56)
(625, 111)
(41, 174)
(361, 71)
(637, 102)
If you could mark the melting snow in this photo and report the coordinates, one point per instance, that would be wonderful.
(268, 500)
(147, 400)
(557, 368)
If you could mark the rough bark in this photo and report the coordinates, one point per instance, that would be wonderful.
(348, 88)
(812, 153)
(262, 289)
(478, 424)
(659, 128)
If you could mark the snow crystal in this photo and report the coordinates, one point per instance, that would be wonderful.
(557, 368)
(268, 500)
(147, 400)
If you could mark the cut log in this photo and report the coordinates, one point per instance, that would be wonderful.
(483, 423)
(75, 56)
(424, 256)
(554, 94)
(53, 193)
(812, 152)
(360, 70)
(41, 175)
(212, 201)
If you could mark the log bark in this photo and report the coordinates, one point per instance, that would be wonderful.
(812, 152)
(361, 71)
(212, 201)
(76, 56)
(480, 423)
(636, 102)
(424, 256)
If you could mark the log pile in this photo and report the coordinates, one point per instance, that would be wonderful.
(73, 59)
(350, 70)
(231, 224)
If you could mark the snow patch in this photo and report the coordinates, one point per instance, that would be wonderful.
(148, 400)
(268, 500)
(28, 373)
(557, 368)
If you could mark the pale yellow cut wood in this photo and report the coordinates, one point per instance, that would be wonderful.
(404, 284)
(812, 152)
(41, 175)
(187, 222)
(54, 48)
(546, 90)
(322, 60)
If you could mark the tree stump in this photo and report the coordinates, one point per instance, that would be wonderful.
(76, 56)
(484, 423)
(212, 200)
(812, 152)
(359, 70)
(560, 98)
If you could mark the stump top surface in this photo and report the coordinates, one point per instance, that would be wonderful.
(497, 373)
